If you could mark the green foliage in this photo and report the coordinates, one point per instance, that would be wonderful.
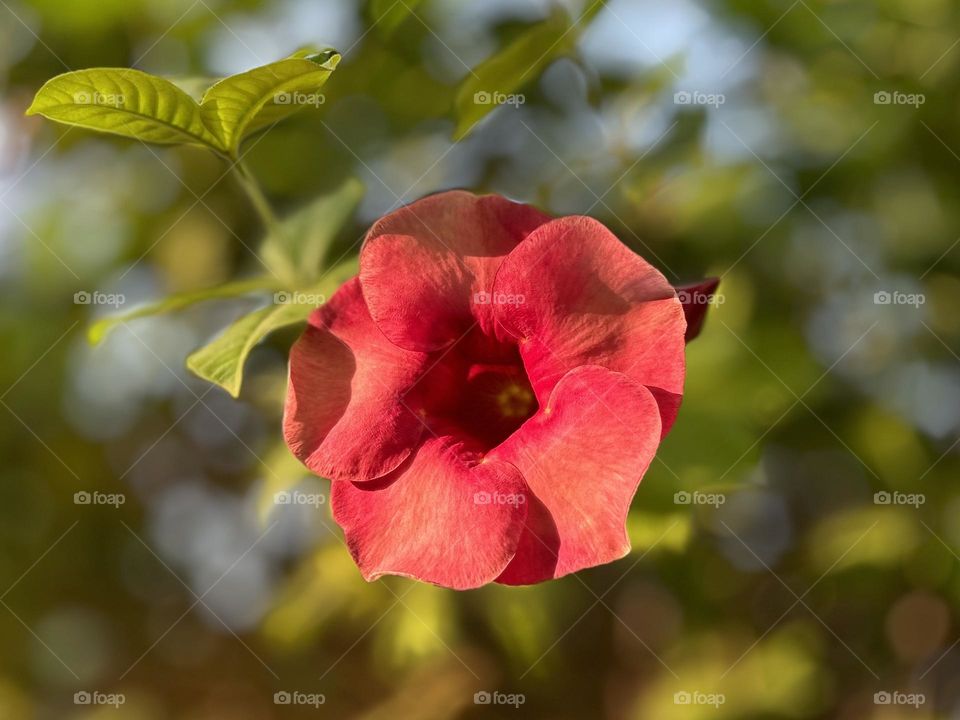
(221, 362)
(692, 608)
(138, 105)
(303, 240)
(508, 70)
(99, 330)
(240, 105)
(130, 103)
(151, 109)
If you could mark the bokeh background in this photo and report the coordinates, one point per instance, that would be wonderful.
(797, 593)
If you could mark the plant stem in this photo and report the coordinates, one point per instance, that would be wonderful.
(273, 251)
(257, 198)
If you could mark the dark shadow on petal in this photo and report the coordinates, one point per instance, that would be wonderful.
(538, 549)
(669, 404)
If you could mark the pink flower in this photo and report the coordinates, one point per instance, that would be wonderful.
(486, 396)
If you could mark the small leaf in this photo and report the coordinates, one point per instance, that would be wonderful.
(242, 104)
(98, 331)
(305, 237)
(505, 72)
(221, 362)
(124, 102)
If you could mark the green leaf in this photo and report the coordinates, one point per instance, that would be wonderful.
(304, 238)
(221, 362)
(496, 80)
(124, 102)
(242, 104)
(138, 105)
(98, 331)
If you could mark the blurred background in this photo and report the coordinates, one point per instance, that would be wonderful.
(795, 545)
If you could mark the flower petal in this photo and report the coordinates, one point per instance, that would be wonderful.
(422, 265)
(695, 298)
(583, 456)
(589, 300)
(442, 518)
(345, 417)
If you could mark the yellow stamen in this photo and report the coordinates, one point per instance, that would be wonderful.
(515, 401)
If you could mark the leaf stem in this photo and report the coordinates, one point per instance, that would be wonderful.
(272, 226)
(256, 196)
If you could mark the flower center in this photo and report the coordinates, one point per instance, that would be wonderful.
(516, 401)
(495, 400)
(482, 401)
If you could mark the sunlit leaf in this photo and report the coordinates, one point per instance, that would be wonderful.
(124, 102)
(242, 104)
(98, 331)
(496, 80)
(305, 237)
(138, 105)
(221, 362)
